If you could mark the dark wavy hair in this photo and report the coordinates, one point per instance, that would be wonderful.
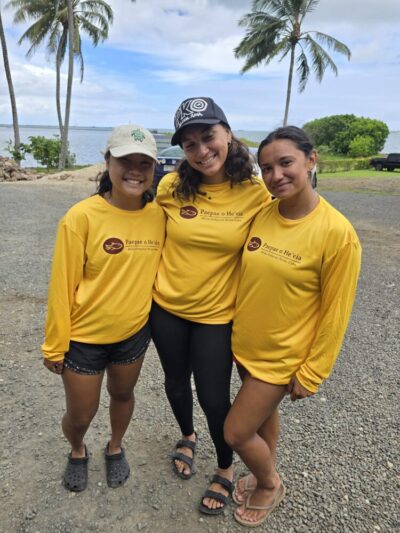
(238, 168)
(289, 133)
(104, 185)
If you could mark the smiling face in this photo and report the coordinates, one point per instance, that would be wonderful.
(131, 176)
(285, 169)
(206, 150)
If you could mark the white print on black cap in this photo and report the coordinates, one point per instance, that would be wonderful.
(189, 109)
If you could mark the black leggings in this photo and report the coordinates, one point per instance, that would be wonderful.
(204, 349)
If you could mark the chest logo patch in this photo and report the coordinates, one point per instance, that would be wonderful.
(254, 244)
(188, 211)
(113, 245)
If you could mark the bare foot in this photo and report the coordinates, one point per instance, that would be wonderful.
(226, 473)
(243, 487)
(182, 467)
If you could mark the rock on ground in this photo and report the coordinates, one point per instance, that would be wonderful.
(10, 171)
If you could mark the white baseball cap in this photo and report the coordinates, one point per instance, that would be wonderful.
(131, 139)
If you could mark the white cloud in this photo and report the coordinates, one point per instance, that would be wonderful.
(186, 48)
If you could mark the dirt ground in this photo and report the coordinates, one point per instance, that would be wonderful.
(338, 453)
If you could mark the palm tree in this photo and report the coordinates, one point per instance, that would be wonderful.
(71, 41)
(274, 28)
(17, 140)
(92, 17)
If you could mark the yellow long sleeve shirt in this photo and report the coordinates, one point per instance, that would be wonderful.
(297, 287)
(104, 266)
(199, 269)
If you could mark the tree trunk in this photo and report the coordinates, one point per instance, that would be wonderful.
(58, 86)
(289, 85)
(17, 140)
(64, 137)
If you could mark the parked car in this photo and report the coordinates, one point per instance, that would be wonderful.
(168, 160)
(390, 162)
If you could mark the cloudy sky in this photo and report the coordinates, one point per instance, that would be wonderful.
(162, 51)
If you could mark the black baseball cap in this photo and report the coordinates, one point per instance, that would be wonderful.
(198, 110)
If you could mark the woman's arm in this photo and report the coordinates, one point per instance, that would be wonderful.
(66, 274)
(339, 277)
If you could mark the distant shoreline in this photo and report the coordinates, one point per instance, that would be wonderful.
(100, 128)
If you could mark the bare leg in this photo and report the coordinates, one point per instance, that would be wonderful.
(121, 380)
(269, 431)
(82, 393)
(255, 404)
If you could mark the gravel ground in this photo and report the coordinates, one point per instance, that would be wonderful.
(338, 452)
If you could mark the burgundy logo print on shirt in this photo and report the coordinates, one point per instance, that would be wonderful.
(188, 211)
(113, 245)
(254, 244)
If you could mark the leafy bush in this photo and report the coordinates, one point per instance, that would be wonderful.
(47, 151)
(338, 132)
(44, 150)
(18, 154)
(361, 146)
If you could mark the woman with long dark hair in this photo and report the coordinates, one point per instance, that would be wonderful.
(297, 286)
(209, 202)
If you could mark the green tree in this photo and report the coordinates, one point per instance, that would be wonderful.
(337, 132)
(323, 131)
(361, 146)
(361, 126)
(274, 29)
(17, 140)
(92, 17)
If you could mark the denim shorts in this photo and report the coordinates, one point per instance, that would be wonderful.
(86, 358)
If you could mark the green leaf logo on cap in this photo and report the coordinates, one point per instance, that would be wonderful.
(138, 135)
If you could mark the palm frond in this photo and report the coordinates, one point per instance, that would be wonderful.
(99, 7)
(332, 43)
(307, 7)
(303, 70)
(278, 8)
(321, 60)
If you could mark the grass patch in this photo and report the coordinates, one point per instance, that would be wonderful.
(364, 174)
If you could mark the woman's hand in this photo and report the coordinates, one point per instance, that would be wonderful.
(297, 391)
(56, 367)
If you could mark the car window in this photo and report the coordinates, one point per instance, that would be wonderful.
(172, 151)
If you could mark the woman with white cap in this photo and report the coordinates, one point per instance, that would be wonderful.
(106, 256)
(209, 202)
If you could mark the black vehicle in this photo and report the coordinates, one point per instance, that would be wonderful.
(390, 162)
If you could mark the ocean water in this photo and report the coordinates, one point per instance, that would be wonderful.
(87, 143)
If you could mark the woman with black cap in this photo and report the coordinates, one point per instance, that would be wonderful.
(209, 202)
